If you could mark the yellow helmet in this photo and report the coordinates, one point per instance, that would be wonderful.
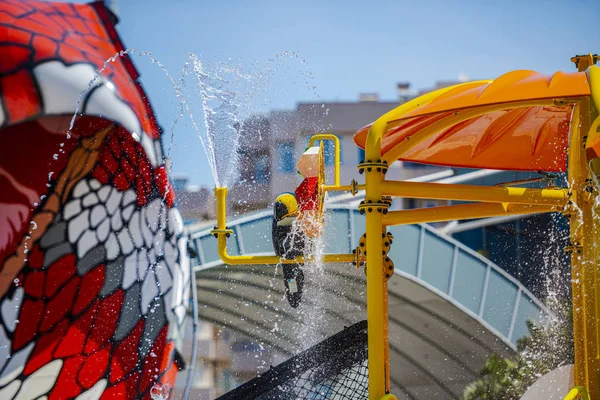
(286, 205)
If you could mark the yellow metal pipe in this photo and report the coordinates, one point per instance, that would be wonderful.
(386, 336)
(336, 142)
(342, 188)
(593, 137)
(495, 194)
(457, 117)
(376, 312)
(273, 260)
(594, 76)
(576, 177)
(221, 195)
(461, 211)
(589, 285)
(578, 393)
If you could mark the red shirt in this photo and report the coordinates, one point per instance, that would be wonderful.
(307, 194)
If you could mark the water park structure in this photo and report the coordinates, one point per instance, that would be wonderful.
(523, 120)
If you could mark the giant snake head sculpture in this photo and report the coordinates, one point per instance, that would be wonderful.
(94, 278)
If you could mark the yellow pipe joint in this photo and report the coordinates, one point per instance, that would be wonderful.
(336, 164)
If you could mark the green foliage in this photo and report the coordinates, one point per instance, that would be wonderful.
(545, 349)
(501, 379)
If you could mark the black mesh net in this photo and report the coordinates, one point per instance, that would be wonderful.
(333, 369)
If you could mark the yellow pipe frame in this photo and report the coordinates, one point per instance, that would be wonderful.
(343, 188)
(584, 259)
(376, 285)
(377, 313)
(504, 201)
(221, 232)
(594, 77)
(576, 178)
(461, 211)
(488, 202)
(492, 194)
(336, 143)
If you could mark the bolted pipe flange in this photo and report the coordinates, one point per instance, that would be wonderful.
(354, 187)
(381, 206)
(360, 252)
(388, 269)
(573, 248)
(379, 165)
(216, 232)
(569, 209)
(390, 237)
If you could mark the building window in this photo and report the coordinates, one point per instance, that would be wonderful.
(329, 151)
(412, 165)
(361, 154)
(261, 171)
(228, 381)
(286, 157)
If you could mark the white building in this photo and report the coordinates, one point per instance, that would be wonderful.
(272, 144)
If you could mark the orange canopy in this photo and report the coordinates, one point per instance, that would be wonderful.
(526, 138)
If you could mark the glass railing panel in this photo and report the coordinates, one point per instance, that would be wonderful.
(500, 302)
(256, 235)
(337, 231)
(437, 261)
(527, 310)
(469, 280)
(405, 249)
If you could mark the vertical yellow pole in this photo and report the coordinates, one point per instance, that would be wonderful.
(386, 338)
(375, 281)
(590, 297)
(576, 177)
(584, 261)
(336, 176)
(221, 196)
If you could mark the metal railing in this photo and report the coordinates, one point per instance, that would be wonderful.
(422, 254)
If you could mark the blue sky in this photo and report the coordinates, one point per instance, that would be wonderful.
(350, 46)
